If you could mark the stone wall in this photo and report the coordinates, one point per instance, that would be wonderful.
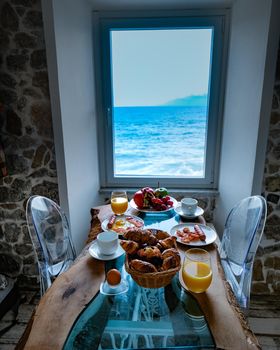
(267, 265)
(26, 132)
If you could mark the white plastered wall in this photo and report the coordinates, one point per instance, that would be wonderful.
(251, 67)
(68, 33)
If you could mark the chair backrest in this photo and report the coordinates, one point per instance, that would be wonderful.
(242, 234)
(51, 238)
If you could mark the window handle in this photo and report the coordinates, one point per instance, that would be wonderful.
(109, 117)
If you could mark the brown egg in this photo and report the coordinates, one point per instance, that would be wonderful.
(113, 277)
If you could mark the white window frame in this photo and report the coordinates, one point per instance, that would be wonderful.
(103, 22)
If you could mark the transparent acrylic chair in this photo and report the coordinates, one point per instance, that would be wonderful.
(51, 238)
(241, 237)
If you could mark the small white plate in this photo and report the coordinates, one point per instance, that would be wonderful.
(94, 252)
(199, 211)
(126, 223)
(210, 234)
(134, 206)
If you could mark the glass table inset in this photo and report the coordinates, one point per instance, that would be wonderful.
(141, 318)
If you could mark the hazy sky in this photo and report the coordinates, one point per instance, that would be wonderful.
(152, 67)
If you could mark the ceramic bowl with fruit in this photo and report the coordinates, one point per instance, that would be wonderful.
(149, 200)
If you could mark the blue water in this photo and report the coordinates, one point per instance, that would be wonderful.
(162, 141)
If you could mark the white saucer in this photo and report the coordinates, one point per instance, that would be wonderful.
(199, 211)
(94, 252)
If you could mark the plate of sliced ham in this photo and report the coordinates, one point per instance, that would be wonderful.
(192, 234)
(120, 223)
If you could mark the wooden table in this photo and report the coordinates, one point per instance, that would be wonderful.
(72, 291)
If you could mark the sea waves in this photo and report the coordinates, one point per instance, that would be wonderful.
(159, 141)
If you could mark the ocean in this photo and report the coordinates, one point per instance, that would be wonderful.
(164, 141)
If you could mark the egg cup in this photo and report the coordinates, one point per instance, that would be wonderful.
(108, 289)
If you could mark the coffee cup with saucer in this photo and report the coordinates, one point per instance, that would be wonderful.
(106, 246)
(189, 208)
(107, 242)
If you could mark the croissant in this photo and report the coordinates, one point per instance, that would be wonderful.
(152, 240)
(142, 266)
(162, 234)
(149, 253)
(134, 234)
(170, 263)
(171, 252)
(159, 246)
(130, 247)
(168, 242)
(140, 236)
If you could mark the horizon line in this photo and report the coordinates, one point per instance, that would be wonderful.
(134, 106)
(171, 103)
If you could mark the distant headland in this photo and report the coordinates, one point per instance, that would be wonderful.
(194, 100)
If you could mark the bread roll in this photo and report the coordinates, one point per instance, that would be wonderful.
(171, 252)
(149, 253)
(130, 247)
(168, 242)
(170, 263)
(142, 266)
(162, 234)
(140, 236)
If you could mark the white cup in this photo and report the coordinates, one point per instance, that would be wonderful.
(107, 242)
(188, 206)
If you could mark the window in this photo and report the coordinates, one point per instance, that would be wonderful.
(159, 86)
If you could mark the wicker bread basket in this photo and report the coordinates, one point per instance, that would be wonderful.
(152, 279)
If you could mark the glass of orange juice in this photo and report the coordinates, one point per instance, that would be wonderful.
(119, 202)
(197, 271)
